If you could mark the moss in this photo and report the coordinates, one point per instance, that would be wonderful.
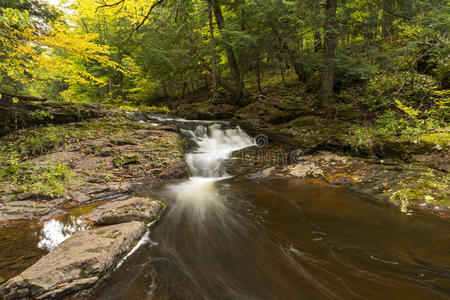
(95, 250)
(124, 160)
(83, 274)
(101, 233)
(84, 209)
(422, 188)
(437, 138)
(38, 141)
(113, 235)
(48, 181)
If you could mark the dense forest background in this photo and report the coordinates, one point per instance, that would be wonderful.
(386, 58)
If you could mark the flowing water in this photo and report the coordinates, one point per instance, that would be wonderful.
(229, 238)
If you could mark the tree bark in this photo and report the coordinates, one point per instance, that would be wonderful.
(212, 46)
(387, 19)
(258, 72)
(330, 44)
(232, 61)
(165, 93)
(317, 41)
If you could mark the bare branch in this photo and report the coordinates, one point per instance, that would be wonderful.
(145, 18)
(109, 5)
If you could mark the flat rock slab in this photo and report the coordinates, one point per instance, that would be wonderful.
(75, 264)
(125, 209)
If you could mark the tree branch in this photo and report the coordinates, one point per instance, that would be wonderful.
(108, 5)
(145, 18)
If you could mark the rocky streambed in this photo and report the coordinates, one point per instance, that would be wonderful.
(86, 172)
(67, 190)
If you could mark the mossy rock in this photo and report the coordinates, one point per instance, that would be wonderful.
(267, 111)
(205, 111)
(436, 142)
(124, 160)
(26, 114)
(312, 133)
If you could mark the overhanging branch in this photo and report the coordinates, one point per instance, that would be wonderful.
(146, 17)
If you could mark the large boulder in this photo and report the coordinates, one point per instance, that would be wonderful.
(312, 133)
(268, 111)
(77, 263)
(126, 209)
(205, 111)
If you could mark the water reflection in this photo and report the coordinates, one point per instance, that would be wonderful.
(54, 232)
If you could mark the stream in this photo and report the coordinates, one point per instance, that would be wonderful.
(233, 238)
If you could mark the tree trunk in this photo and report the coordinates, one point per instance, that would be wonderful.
(387, 19)
(320, 10)
(184, 89)
(232, 61)
(212, 46)
(300, 71)
(330, 44)
(317, 41)
(165, 94)
(258, 72)
(282, 73)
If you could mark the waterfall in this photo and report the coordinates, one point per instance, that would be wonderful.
(213, 145)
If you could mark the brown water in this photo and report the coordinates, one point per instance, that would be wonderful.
(20, 240)
(18, 247)
(283, 239)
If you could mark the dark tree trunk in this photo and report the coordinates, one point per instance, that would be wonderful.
(165, 94)
(387, 19)
(212, 46)
(232, 61)
(282, 73)
(317, 41)
(184, 89)
(330, 44)
(258, 72)
(300, 71)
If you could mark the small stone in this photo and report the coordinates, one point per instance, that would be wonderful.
(437, 147)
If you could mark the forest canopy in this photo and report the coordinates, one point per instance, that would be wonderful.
(377, 54)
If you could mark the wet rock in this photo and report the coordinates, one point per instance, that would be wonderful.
(105, 190)
(263, 174)
(436, 161)
(79, 197)
(339, 179)
(125, 209)
(176, 171)
(26, 209)
(26, 196)
(77, 263)
(305, 169)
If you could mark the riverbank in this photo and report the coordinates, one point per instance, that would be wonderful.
(59, 180)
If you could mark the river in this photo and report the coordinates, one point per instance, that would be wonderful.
(233, 238)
